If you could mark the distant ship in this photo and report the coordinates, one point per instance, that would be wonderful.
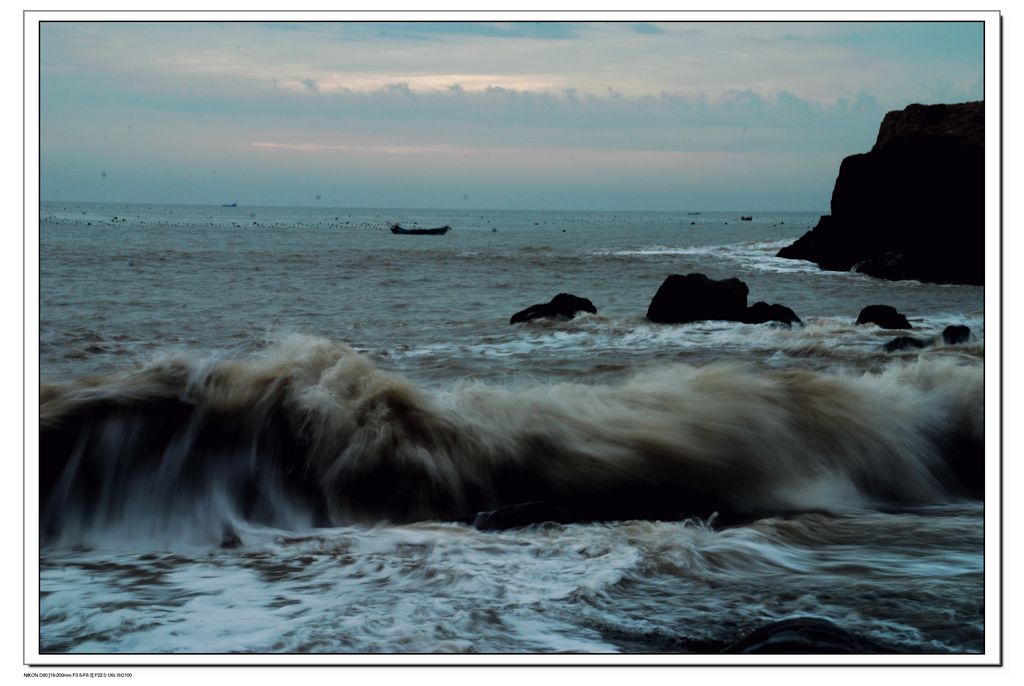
(234, 204)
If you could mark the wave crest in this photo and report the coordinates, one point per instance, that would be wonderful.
(315, 434)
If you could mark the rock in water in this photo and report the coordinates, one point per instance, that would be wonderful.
(762, 312)
(563, 305)
(695, 297)
(903, 343)
(912, 207)
(884, 316)
(951, 335)
(955, 335)
(804, 636)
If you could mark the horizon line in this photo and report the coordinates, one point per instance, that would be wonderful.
(431, 209)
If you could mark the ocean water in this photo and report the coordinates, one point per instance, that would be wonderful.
(269, 430)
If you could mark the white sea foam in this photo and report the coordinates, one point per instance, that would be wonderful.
(756, 255)
(448, 588)
(592, 336)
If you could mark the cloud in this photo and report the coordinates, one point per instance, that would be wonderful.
(537, 103)
(645, 27)
(372, 149)
(818, 60)
(399, 119)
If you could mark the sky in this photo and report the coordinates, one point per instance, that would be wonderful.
(524, 115)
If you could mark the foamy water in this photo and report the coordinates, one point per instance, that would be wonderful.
(262, 429)
(652, 586)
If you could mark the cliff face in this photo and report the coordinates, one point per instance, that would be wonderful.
(912, 207)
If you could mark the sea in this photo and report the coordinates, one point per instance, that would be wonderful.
(273, 430)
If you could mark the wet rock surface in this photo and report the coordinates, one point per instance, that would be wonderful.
(884, 316)
(562, 306)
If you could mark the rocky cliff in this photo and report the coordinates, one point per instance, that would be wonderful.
(912, 207)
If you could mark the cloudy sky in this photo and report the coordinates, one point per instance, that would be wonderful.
(624, 115)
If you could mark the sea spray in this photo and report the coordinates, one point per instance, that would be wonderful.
(315, 434)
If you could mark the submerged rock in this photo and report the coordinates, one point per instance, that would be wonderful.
(956, 334)
(762, 312)
(912, 207)
(804, 636)
(884, 316)
(951, 335)
(563, 305)
(904, 343)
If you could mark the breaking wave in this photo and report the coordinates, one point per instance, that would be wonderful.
(314, 434)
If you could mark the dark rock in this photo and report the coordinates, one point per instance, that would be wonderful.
(912, 207)
(963, 123)
(563, 305)
(955, 335)
(523, 514)
(894, 265)
(804, 636)
(904, 343)
(761, 312)
(884, 316)
(695, 297)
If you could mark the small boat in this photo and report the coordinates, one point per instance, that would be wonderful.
(746, 219)
(439, 231)
(234, 204)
